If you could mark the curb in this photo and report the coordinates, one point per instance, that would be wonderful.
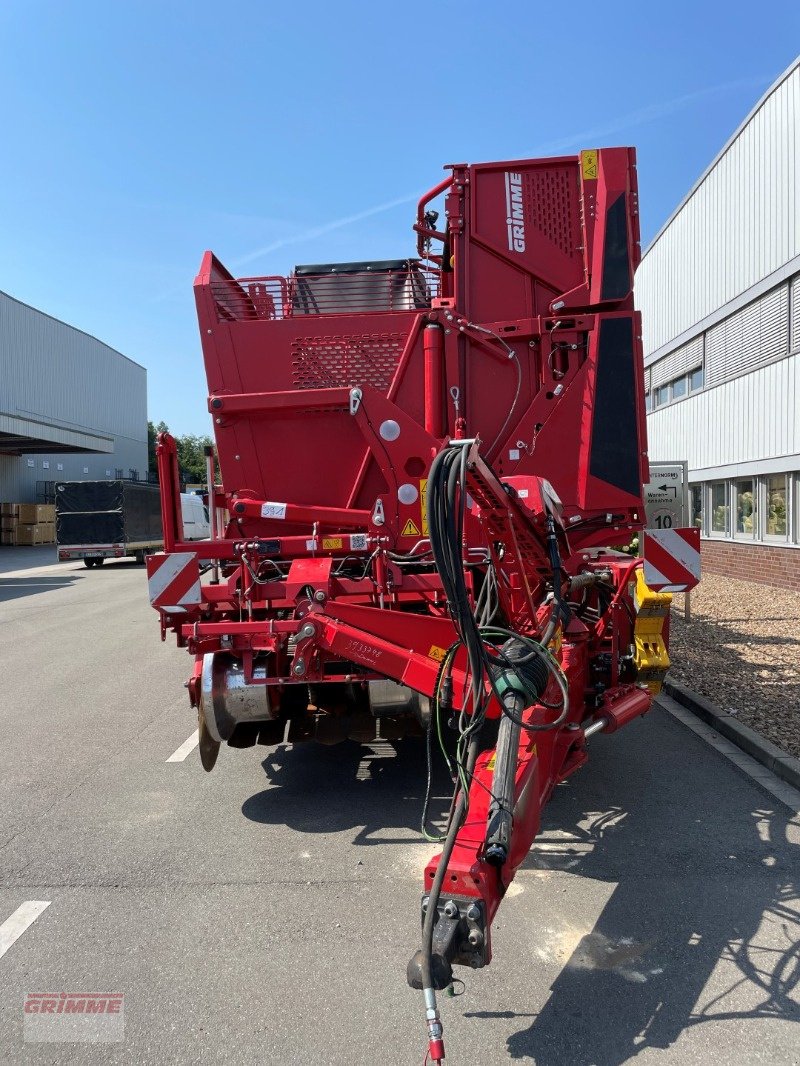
(784, 766)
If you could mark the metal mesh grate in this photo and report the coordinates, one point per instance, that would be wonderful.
(332, 293)
(550, 195)
(342, 362)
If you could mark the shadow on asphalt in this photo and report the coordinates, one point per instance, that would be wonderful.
(372, 788)
(697, 892)
(15, 588)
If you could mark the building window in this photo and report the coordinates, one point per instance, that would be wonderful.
(648, 401)
(678, 388)
(696, 379)
(661, 395)
(696, 504)
(745, 508)
(776, 506)
(719, 507)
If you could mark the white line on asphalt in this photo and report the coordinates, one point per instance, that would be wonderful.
(188, 745)
(25, 915)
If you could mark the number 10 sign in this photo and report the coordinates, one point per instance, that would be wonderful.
(666, 497)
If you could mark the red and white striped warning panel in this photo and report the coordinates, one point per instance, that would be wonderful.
(671, 559)
(173, 580)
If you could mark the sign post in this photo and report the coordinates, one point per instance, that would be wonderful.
(666, 504)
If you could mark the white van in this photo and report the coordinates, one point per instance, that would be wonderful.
(196, 525)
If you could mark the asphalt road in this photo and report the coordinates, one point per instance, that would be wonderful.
(265, 913)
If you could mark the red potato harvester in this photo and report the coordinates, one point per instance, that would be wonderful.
(424, 463)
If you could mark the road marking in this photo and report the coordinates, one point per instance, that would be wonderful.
(25, 915)
(188, 745)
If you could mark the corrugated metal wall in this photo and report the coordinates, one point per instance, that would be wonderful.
(739, 225)
(752, 417)
(55, 374)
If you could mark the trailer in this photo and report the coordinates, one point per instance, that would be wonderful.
(99, 520)
(430, 466)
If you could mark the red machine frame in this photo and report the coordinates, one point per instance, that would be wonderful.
(513, 339)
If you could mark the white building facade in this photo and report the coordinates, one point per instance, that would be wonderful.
(71, 407)
(719, 292)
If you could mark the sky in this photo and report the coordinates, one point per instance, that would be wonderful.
(138, 134)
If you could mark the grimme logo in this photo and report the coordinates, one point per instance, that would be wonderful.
(74, 1017)
(515, 213)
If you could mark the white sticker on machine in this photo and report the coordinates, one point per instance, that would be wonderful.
(358, 542)
(270, 509)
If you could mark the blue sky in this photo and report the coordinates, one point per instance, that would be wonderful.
(137, 134)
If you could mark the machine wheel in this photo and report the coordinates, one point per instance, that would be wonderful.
(209, 748)
(89, 563)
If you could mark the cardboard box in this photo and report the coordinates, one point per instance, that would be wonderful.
(33, 514)
(29, 534)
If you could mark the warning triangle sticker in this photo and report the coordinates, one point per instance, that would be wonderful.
(410, 529)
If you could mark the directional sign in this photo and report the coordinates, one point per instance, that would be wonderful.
(666, 497)
(671, 559)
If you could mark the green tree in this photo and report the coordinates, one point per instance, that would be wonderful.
(191, 456)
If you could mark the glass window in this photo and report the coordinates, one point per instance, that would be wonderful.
(678, 388)
(661, 395)
(776, 505)
(745, 508)
(696, 379)
(696, 503)
(719, 507)
(648, 401)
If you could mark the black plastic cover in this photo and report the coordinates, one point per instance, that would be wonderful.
(615, 433)
(107, 512)
(375, 265)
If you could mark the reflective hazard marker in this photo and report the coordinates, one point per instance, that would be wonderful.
(671, 559)
(173, 580)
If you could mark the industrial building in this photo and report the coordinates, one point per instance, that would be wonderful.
(71, 408)
(719, 292)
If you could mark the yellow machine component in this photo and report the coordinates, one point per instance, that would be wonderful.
(651, 658)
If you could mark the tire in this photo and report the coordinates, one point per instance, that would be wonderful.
(89, 563)
(99, 562)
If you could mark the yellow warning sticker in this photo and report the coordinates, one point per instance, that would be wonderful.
(589, 164)
(492, 761)
(410, 529)
(437, 653)
(532, 747)
(423, 500)
(331, 543)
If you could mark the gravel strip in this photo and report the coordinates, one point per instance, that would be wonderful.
(741, 650)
